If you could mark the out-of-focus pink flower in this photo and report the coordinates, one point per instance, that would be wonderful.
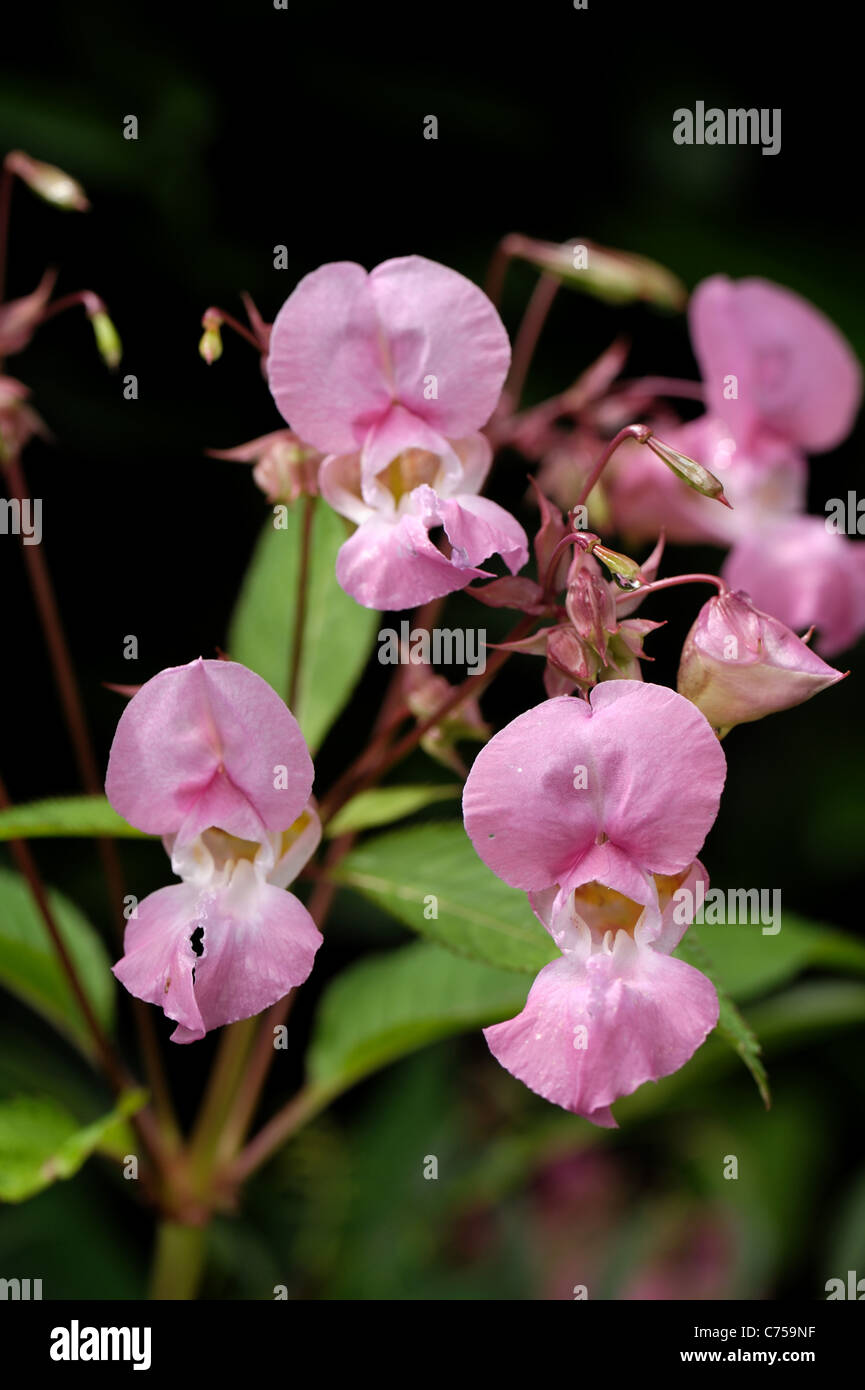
(228, 941)
(209, 757)
(739, 664)
(805, 575)
(391, 374)
(285, 468)
(598, 808)
(18, 422)
(645, 498)
(19, 318)
(208, 744)
(774, 367)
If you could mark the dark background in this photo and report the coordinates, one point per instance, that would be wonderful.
(304, 127)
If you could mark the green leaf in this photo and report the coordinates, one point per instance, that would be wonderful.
(750, 963)
(389, 1005)
(40, 1141)
(338, 632)
(382, 805)
(426, 868)
(65, 816)
(30, 969)
(731, 1026)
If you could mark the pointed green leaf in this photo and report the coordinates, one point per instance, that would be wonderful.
(430, 878)
(40, 1141)
(30, 969)
(383, 805)
(731, 1025)
(65, 816)
(389, 1005)
(750, 961)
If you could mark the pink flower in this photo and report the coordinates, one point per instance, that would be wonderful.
(598, 808)
(806, 576)
(648, 499)
(739, 664)
(392, 374)
(780, 382)
(795, 377)
(209, 757)
(284, 467)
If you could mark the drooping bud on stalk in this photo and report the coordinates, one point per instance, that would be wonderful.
(210, 346)
(48, 182)
(625, 571)
(107, 338)
(690, 472)
(616, 276)
(739, 664)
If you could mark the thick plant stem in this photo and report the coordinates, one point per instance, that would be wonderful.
(178, 1261)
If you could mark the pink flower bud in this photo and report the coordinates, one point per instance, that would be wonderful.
(616, 276)
(739, 664)
(590, 604)
(48, 182)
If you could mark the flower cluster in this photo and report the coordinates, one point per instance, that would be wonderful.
(394, 387)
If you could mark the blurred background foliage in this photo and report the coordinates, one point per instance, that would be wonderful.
(260, 127)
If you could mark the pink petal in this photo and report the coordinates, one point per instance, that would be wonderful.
(394, 565)
(645, 1014)
(202, 745)
(478, 528)
(806, 576)
(653, 770)
(346, 346)
(392, 435)
(439, 325)
(258, 943)
(158, 958)
(326, 368)
(797, 375)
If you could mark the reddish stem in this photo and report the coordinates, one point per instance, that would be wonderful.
(639, 432)
(672, 583)
(528, 333)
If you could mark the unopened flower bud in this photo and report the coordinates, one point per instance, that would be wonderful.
(690, 472)
(739, 664)
(570, 657)
(625, 571)
(48, 182)
(616, 276)
(210, 346)
(107, 338)
(590, 604)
